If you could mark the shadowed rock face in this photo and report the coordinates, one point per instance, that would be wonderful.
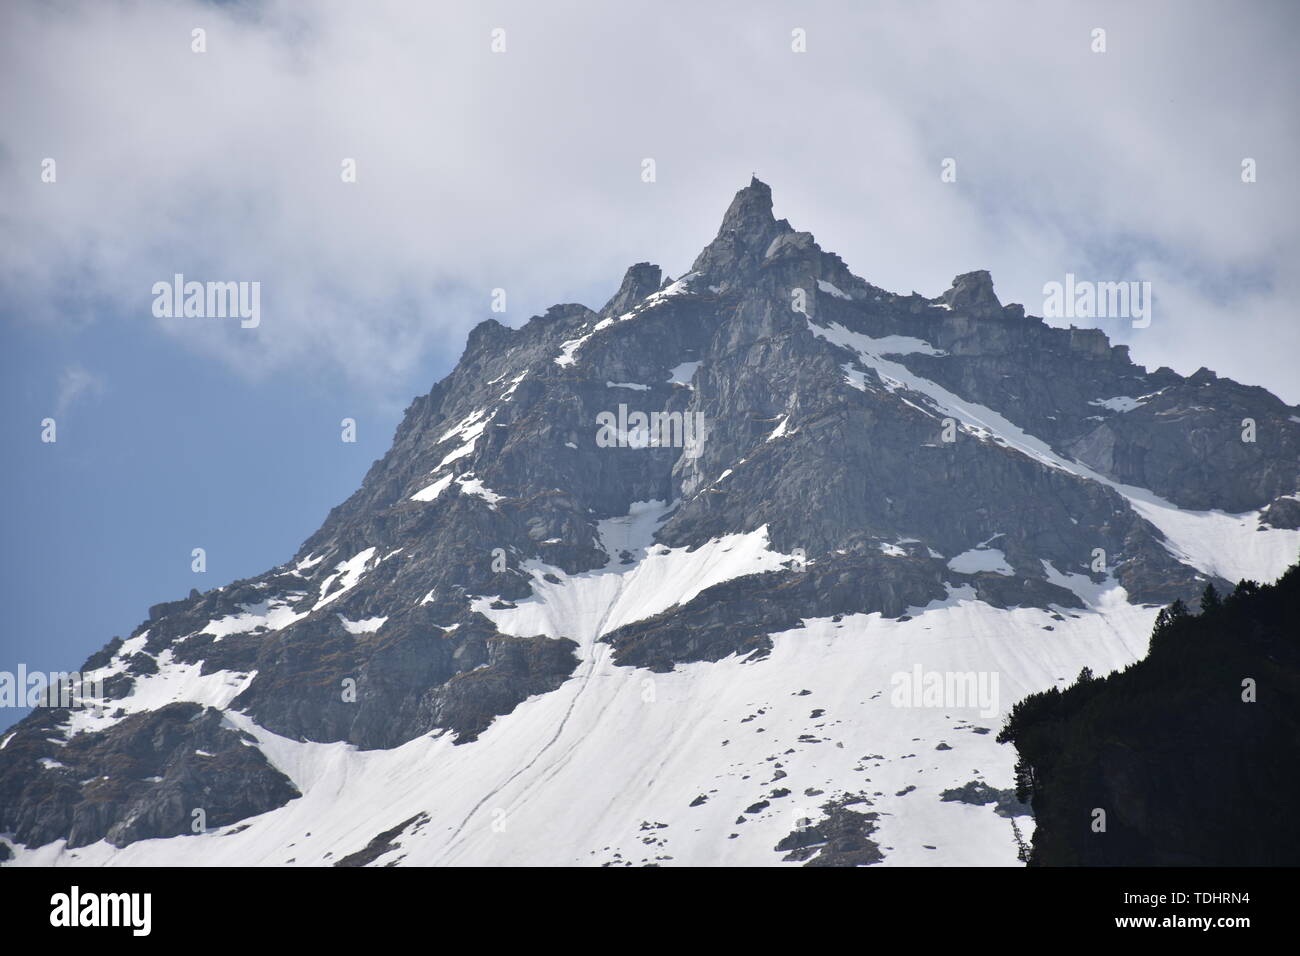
(142, 778)
(370, 634)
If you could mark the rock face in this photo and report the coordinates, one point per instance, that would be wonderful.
(141, 778)
(890, 449)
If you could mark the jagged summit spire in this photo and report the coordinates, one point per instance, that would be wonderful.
(751, 205)
(747, 229)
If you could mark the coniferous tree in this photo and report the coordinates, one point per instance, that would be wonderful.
(1168, 617)
(1245, 588)
(1210, 600)
(1176, 707)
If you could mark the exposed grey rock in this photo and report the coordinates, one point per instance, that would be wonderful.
(142, 778)
(979, 793)
(640, 281)
(1282, 513)
(972, 294)
(383, 842)
(841, 838)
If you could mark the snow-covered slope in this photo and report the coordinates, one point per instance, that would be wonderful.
(606, 768)
(610, 768)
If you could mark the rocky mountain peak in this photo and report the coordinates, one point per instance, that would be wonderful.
(487, 335)
(752, 203)
(747, 230)
(972, 293)
(713, 472)
(640, 280)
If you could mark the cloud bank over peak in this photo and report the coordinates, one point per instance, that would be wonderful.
(521, 169)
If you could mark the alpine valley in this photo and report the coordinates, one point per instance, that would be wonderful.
(657, 585)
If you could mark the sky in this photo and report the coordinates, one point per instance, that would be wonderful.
(521, 168)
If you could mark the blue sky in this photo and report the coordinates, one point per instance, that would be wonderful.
(170, 453)
(521, 170)
(159, 451)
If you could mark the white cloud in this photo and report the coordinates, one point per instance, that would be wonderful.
(520, 170)
(75, 383)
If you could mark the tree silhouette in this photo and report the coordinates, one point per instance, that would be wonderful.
(1210, 600)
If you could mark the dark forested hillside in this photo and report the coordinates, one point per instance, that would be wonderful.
(1188, 757)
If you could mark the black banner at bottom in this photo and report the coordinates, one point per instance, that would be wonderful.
(333, 906)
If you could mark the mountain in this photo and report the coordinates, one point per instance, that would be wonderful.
(671, 582)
